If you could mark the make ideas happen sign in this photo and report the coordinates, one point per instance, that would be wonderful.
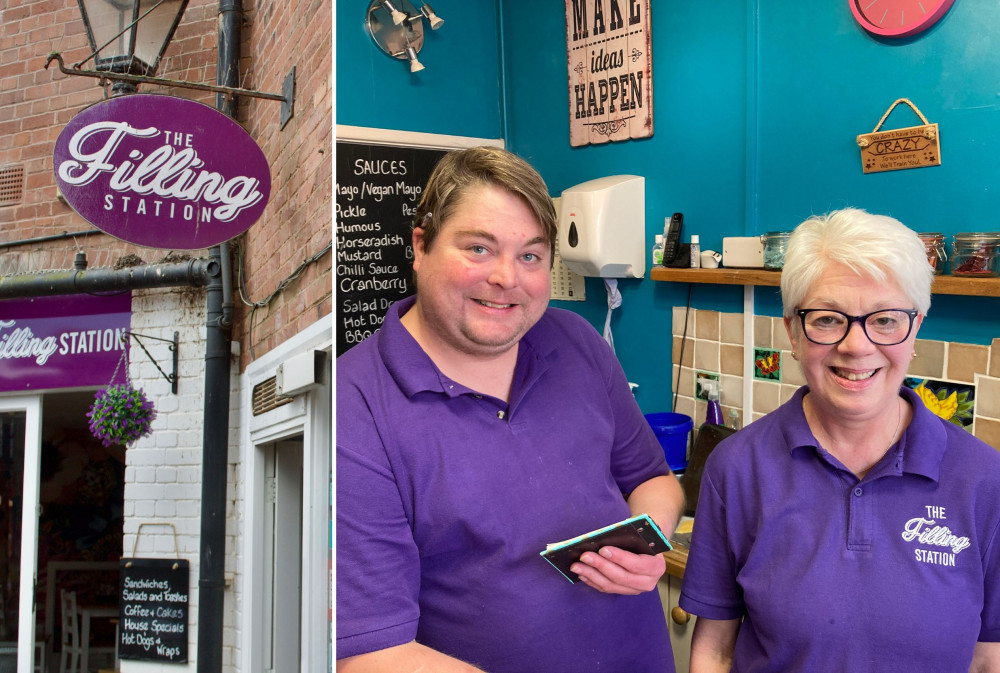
(162, 172)
(609, 53)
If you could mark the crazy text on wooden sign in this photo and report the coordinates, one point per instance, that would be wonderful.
(610, 61)
(898, 149)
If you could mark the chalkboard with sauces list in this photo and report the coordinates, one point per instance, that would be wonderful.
(378, 190)
(153, 610)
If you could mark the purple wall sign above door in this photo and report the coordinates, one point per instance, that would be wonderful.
(63, 342)
(162, 172)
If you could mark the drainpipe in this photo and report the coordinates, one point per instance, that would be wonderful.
(218, 349)
(192, 273)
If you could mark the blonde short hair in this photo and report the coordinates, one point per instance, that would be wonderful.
(461, 171)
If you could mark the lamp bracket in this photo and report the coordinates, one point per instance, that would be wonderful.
(174, 343)
(287, 95)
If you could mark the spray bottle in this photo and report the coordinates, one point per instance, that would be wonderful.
(711, 387)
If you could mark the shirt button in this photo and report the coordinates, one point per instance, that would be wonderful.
(501, 414)
(858, 491)
(479, 397)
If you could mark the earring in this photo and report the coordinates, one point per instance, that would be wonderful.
(794, 356)
(913, 354)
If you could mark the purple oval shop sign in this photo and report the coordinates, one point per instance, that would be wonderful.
(162, 172)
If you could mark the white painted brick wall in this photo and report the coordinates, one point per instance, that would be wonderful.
(163, 471)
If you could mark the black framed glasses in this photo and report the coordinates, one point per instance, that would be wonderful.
(827, 327)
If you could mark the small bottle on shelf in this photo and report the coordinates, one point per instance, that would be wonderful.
(658, 251)
(695, 252)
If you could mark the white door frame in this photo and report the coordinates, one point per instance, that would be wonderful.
(309, 415)
(31, 405)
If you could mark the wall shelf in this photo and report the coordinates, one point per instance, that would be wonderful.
(973, 287)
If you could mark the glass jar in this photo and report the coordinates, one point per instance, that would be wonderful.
(975, 254)
(934, 243)
(775, 244)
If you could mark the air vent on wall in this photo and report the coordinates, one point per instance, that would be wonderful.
(266, 397)
(11, 185)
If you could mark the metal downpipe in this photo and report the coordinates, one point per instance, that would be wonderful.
(218, 349)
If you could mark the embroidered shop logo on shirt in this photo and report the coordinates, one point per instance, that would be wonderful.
(926, 531)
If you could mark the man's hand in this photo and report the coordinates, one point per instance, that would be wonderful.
(616, 571)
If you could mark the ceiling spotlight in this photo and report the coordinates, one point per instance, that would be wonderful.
(397, 16)
(415, 65)
(432, 18)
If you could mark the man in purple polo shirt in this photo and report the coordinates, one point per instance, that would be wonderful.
(474, 428)
(850, 530)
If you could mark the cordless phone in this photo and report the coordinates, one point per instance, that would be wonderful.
(672, 237)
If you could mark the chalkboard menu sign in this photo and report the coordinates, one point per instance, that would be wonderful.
(378, 190)
(153, 610)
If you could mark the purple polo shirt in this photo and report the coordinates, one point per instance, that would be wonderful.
(445, 497)
(899, 571)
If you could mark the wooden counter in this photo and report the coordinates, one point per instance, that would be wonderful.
(676, 559)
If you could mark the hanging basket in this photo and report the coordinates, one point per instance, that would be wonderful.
(120, 415)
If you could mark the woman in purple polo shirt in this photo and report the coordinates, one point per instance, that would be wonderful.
(851, 529)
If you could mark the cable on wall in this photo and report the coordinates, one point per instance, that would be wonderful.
(277, 290)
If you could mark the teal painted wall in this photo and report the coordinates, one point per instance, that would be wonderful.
(458, 93)
(756, 109)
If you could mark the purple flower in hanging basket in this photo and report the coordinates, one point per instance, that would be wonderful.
(120, 415)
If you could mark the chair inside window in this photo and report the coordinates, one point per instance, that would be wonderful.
(70, 639)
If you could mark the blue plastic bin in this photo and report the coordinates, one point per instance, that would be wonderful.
(673, 431)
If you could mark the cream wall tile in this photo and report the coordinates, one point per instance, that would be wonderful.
(685, 345)
(791, 370)
(765, 396)
(677, 322)
(700, 411)
(685, 405)
(995, 358)
(988, 431)
(964, 360)
(929, 362)
(732, 328)
(731, 359)
(762, 331)
(732, 390)
(706, 355)
(707, 325)
(780, 336)
(987, 397)
(786, 392)
(686, 385)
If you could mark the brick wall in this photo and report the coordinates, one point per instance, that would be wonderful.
(35, 104)
(297, 224)
(163, 471)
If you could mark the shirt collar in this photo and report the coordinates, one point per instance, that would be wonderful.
(921, 447)
(409, 365)
(415, 372)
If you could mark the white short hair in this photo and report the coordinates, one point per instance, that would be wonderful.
(873, 246)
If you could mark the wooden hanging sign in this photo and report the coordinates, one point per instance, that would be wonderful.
(911, 147)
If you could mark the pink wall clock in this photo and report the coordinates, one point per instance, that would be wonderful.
(898, 18)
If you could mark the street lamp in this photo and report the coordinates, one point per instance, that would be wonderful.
(130, 36)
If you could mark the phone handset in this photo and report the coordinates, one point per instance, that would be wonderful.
(672, 237)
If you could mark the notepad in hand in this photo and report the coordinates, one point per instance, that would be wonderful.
(638, 535)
